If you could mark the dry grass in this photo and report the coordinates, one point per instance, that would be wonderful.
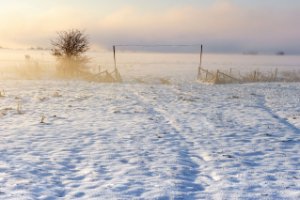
(2, 93)
(290, 76)
(164, 81)
(217, 77)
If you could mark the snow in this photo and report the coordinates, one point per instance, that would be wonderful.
(149, 141)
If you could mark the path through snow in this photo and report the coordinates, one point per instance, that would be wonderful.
(124, 141)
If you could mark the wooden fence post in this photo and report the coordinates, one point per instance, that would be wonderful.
(200, 63)
(199, 72)
(115, 61)
(275, 75)
(217, 76)
(201, 52)
(254, 77)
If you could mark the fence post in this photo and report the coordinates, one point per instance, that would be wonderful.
(200, 63)
(115, 61)
(275, 75)
(201, 52)
(254, 77)
(217, 76)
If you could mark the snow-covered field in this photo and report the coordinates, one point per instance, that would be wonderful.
(149, 141)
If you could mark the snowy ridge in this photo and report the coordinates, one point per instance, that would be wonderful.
(136, 141)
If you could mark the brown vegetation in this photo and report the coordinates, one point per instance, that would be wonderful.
(69, 48)
(218, 77)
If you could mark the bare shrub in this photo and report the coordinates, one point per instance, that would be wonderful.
(69, 48)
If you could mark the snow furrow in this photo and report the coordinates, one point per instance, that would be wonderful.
(185, 169)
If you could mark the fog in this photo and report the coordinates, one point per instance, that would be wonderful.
(223, 26)
(141, 66)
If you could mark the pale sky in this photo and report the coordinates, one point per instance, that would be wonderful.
(221, 25)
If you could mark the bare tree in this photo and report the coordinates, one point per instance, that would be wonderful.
(69, 47)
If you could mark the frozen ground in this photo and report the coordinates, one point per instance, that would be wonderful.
(126, 141)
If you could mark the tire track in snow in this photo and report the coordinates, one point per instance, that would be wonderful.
(263, 104)
(185, 179)
(189, 97)
(197, 130)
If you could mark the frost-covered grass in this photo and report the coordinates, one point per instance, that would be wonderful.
(126, 141)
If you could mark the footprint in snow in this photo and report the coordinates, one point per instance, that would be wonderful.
(79, 194)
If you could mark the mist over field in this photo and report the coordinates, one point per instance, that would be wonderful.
(177, 67)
